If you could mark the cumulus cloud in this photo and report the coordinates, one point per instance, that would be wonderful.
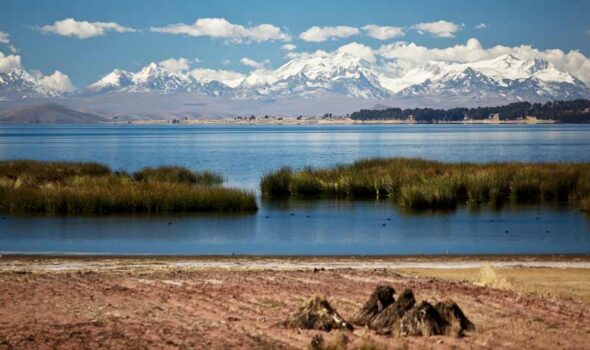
(409, 54)
(354, 49)
(175, 65)
(383, 32)
(320, 34)
(288, 47)
(359, 50)
(225, 62)
(441, 29)
(227, 77)
(8, 63)
(220, 28)
(83, 29)
(4, 38)
(57, 81)
(481, 26)
(254, 64)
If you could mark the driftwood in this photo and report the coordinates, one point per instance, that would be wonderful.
(391, 315)
(317, 313)
(401, 317)
(421, 320)
(457, 322)
(380, 299)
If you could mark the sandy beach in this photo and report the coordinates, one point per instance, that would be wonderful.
(237, 302)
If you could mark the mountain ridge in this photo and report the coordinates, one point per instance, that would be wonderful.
(322, 77)
(353, 76)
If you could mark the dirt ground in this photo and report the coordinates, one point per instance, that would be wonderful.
(139, 304)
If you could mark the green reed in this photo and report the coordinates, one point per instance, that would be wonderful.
(90, 188)
(424, 184)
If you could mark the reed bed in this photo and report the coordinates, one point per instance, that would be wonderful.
(422, 184)
(90, 189)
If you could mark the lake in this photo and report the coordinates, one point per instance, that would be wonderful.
(242, 154)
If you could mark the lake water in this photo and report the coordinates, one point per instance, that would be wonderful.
(242, 154)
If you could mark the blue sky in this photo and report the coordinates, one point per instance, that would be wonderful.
(544, 25)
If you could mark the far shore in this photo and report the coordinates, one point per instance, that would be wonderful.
(328, 121)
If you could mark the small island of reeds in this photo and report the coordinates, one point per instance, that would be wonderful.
(418, 184)
(70, 188)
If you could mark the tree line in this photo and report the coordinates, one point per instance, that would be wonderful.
(572, 111)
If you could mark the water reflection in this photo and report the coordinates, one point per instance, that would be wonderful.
(242, 154)
(309, 227)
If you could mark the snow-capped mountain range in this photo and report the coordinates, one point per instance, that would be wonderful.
(345, 74)
(349, 75)
(19, 82)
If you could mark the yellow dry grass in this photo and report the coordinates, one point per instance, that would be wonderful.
(548, 282)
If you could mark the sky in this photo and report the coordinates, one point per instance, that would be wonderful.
(87, 39)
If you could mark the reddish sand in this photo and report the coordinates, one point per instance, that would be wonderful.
(214, 308)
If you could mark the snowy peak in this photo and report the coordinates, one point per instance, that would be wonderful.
(362, 75)
(510, 67)
(117, 79)
(153, 78)
(24, 84)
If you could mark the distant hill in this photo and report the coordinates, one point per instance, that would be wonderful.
(49, 113)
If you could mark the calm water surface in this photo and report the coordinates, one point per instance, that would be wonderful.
(244, 153)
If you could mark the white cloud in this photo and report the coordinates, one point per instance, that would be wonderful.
(358, 50)
(288, 47)
(441, 29)
(225, 62)
(57, 81)
(254, 64)
(354, 49)
(83, 29)
(410, 54)
(4, 38)
(320, 34)
(8, 63)
(220, 28)
(481, 26)
(175, 65)
(229, 78)
(383, 32)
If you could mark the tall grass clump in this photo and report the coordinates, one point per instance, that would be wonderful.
(177, 174)
(91, 189)
(277, 184)
(422, 184)
(488, 276)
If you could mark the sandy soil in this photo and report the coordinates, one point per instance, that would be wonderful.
(213, 303)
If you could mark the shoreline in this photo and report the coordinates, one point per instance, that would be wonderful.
(60, 263)
(330, 121)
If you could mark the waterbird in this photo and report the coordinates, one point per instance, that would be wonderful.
(266, 217)
(292, 214)
(506, 232)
